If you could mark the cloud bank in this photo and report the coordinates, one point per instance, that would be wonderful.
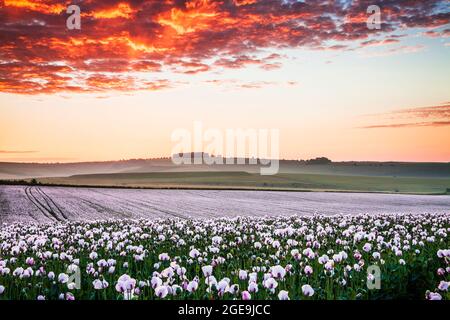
(130, 44)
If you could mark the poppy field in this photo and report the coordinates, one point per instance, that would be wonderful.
(246, 258)
(43, 204)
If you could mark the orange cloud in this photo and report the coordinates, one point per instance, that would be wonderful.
(197, 15)
(433, 116)
(36, 5)
(122, 10)
(121, 39)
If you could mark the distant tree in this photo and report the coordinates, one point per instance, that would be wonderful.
(320, 160)
(34, 181)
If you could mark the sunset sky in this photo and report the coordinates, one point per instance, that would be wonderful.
(138, 70)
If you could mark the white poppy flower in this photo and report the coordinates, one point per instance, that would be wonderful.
(164, 257)
(443, 285)
(211, 281)
(71, 286)
(176, 289)
(270, 283)
(207, 270)
(223, 285)
(308, 270)
(167, 273)
(295, 253)
(102, 263)
(329, 265)
(70, 296)
(29, 261)
(125, 284)
(156, 282)
(242, 274)
(283, 295)
(323, 259)
(192, 286)
(233, 289)
(100, 284)
(194, 253)
(434, 296)
(278, 272)
(63, 278)
(307, 290)
(161, 292)
(253, 287)
(18, 272)
(367, 247)
(246, 295)
(276, 244)
(181, 271)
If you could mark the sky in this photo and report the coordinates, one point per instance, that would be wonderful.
(138, 70)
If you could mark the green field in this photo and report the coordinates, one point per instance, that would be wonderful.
(245, 180)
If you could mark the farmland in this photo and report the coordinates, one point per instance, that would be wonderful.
(299, 258)
(217, 244)
(385, 177)
(254, 181)
(12, 170)
(47, 204)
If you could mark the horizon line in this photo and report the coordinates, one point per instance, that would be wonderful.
(224, 164)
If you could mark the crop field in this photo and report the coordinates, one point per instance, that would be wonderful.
(254, 181)
(301, 257)
(47, 204)
(103, 243)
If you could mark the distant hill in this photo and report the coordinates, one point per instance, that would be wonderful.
(322, 166)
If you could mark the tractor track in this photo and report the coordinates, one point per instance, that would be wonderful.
(44, 208)
(37, 204)
(140, 203)
(50, 201)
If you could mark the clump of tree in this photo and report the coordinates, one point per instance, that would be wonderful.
(20, 182)
(14, 182)
(319, 160)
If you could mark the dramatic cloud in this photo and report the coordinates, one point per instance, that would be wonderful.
(434, 116)
(126, 44)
